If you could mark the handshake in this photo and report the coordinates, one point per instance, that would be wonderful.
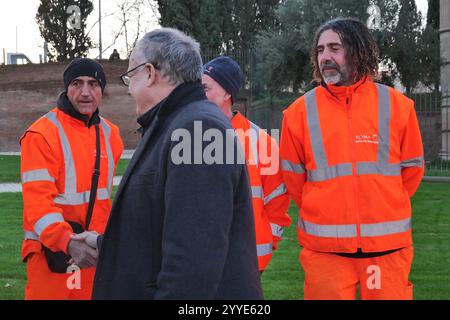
(83, 249)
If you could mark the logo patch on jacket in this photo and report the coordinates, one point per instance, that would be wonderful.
(367, 138)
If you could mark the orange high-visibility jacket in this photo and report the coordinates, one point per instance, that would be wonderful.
(269, 195)
(57, 162)
(351, 159)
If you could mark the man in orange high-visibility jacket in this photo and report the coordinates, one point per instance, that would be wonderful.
(222, 80)
(352, 157)
(57, 163)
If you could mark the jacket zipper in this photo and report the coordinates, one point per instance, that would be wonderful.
(353, 156)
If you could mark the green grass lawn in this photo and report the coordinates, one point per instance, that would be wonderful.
(9, 169)
(12, 270)
(437, 172)
(438, 168)
(123, 164)
(284, 277)
(430, 271)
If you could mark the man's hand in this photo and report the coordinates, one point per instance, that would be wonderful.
(90, 237)
(83, 249)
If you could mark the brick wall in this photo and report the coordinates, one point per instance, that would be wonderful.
(29, 91)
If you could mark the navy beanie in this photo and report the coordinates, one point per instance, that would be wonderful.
(80, 67)
(226, 72)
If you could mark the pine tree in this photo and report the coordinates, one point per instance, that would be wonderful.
(406, 53)
(226, 25)
(283, 53)
(197, 18)
(430, 49)
(65, 35)
(433, 14)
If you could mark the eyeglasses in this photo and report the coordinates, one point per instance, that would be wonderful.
(126, 77)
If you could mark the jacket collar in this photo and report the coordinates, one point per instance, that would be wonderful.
(181, 96)
(147, 118)
(66, 106)
(237, 117)
(342, 92)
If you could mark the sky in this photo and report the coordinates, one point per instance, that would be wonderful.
(19, 15)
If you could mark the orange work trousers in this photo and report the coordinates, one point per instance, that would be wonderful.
(332, 277)
(42, 284)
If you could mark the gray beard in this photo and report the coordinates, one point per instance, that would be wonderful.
(333, 80)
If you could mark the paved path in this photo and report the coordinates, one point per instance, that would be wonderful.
(17, 187)
(127, 154)
(10, 187)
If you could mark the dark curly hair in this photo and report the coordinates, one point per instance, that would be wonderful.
(361, 48)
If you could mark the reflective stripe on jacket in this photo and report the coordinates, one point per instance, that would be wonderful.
(57, 161)
(270, 197)
(351, 159)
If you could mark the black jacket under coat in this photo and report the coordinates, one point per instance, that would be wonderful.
(179, 231)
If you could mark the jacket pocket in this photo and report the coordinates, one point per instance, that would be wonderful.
(147, 179)
(30, 247)
(150, 284)
(150, 290)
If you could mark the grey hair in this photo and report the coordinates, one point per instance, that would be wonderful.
(173, 53)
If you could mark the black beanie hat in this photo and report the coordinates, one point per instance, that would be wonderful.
(80, 67)
(226, 72)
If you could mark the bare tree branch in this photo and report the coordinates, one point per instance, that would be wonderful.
(98, 20)
(131, 17)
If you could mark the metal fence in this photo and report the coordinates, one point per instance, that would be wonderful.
(245, 59)
(433, 113)
(432, 109)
